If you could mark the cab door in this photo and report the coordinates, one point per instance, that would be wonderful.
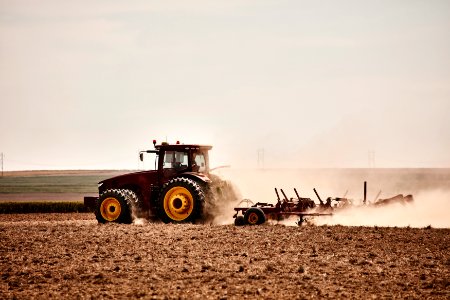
(173, 163)
(199, 162)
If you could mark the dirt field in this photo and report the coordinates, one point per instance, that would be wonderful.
(70, 256)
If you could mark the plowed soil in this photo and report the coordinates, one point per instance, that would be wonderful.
(70, 256)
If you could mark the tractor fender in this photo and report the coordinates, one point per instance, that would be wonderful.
(199, 177)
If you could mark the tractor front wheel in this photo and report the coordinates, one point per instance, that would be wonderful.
(113, 206)
(181, 200)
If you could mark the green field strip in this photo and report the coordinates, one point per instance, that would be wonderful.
(41, 207)
(49, 184)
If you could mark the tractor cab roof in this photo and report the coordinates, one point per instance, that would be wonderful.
(174, 147)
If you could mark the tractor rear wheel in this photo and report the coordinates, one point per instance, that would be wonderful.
(254, 216)
(181, 200)
(113, 206)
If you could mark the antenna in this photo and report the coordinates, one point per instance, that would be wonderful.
(139, 161)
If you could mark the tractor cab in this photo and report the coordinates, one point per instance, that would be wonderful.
(185, 159)
(176, 159)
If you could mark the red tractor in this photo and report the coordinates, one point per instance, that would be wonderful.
(176, 191)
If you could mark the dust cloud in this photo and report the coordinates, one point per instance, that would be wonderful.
(430, 208)
(139, 221)
(430, 188)
(224, 196)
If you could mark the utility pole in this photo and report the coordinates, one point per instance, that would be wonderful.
(2, 163)
(260, 158)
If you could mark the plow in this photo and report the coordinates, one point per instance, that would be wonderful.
(303, 208)
(258, 213)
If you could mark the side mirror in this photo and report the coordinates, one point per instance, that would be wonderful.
(141, 156)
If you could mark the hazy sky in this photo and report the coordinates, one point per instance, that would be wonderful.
(86, 84)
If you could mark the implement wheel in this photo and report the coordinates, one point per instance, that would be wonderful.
(181, 200)
(113, 206)
(239, 221)
(254, 216)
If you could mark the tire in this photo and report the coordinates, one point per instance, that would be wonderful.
(113, 206)
(181, 200)
(134, 204)
(239, 221)
(254, 216)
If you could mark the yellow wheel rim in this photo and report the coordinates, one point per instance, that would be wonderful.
(178, 203)
(253, 218)
(110, 209)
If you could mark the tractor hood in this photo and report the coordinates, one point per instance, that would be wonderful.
(130, 180)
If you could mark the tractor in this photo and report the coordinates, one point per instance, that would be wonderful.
(176, 191)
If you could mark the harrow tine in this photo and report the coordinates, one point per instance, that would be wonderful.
(345, 194)
(376, 198)
(278, 196)
(285, 197)
(297, 194)
(365, 192)
(317, 194)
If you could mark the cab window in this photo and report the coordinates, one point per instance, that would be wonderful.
(200, 162)
(175, 160)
